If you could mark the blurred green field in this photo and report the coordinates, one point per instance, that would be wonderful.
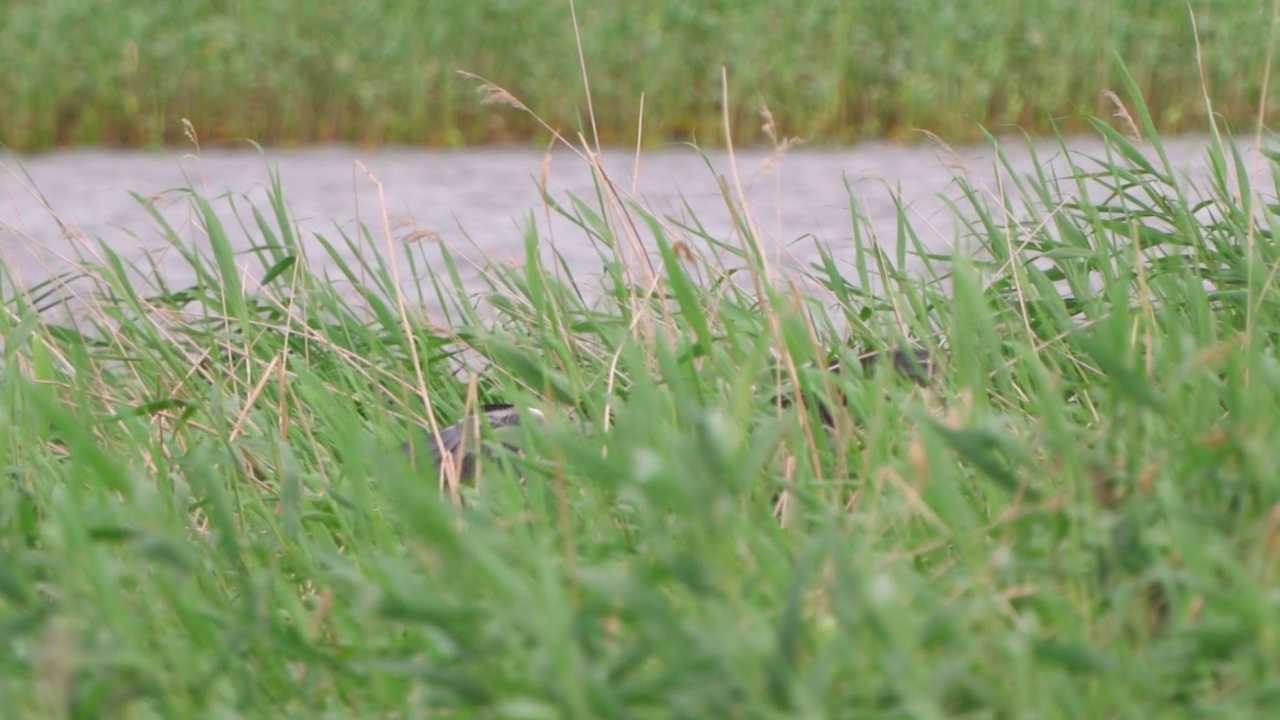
(205, 513)
(127, 72)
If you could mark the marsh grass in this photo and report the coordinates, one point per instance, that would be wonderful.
(95, 72)
(206, 511)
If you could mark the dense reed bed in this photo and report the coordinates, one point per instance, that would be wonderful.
(206, 511)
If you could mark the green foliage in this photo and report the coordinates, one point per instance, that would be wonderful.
(291, 71)
(205, 511)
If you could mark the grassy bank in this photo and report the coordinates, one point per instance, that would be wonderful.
(107, 72)
(205, 514)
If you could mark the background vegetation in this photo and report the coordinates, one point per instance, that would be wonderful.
(205, 512)
(126, 72)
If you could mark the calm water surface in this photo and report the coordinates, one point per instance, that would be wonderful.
(480, 203)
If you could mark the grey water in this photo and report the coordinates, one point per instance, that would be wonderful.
(480, 203)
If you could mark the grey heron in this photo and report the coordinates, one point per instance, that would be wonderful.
(458, 443)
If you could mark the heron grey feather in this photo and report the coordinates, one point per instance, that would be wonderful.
(458, 443)
(916, 363)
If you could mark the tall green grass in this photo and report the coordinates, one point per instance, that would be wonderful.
(287, 71)
(205, 512)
